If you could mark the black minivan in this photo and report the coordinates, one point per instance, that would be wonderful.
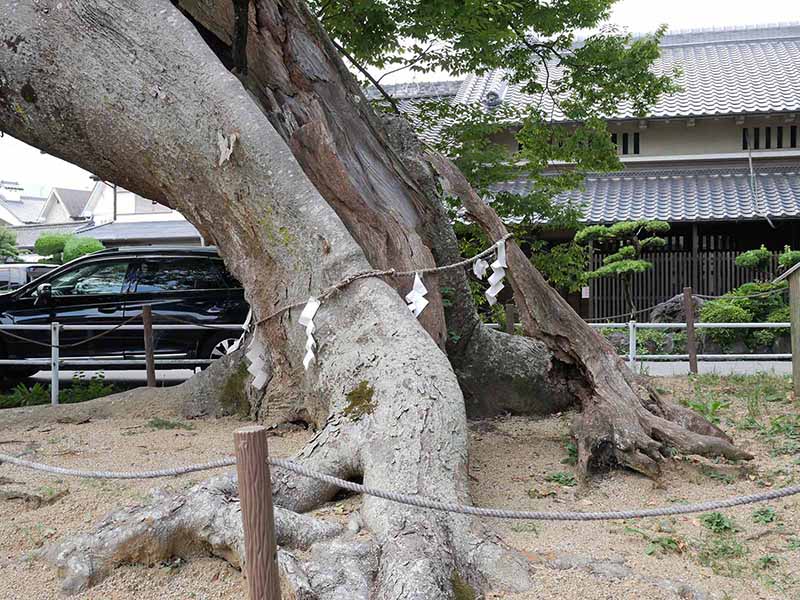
(110, 286)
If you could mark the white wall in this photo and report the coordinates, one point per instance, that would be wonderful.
(706, 136)
(130, 207)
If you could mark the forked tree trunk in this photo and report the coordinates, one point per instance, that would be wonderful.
(132, 92)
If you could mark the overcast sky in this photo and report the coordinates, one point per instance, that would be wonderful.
(38, 172)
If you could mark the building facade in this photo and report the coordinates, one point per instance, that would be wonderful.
(718, 160)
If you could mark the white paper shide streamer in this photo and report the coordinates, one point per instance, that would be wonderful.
(416, 297)
(499, 267)
(307, 321)
(255, 354)
(245, 328)
(479, 267)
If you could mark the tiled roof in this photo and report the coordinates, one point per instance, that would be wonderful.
(26, 209)
(725, 72)
(74, 200)
(682, 194)
(124, 231)
(409, 95)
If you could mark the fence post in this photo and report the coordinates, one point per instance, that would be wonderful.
(149, 357)
(511, 317)
(55, 329)
(794, 311)
(631, 343)
(255, 496)
(691, 341)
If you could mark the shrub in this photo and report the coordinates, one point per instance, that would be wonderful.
(759, 299)
(651, 341)
(8, 244)
(758, 259)
(789, 258)
(81, 390)
(78, 246)
(52, 245)
(763, 337)
(723, 311)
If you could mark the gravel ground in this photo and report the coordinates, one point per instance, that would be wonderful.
(513, 461)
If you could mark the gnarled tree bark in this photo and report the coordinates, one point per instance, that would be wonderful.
(288, 170)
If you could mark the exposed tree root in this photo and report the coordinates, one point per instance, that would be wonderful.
(205, 520)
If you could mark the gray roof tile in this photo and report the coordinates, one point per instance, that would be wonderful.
(26, 209)
(725, 72)
(74, 200)
(121, 231)
(682, 194)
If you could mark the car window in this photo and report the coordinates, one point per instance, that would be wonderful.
(93, 278)
(176, 274)
(11, 278)
(36, 272)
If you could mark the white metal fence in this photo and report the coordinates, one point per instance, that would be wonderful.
(56, 362)
(633, 326)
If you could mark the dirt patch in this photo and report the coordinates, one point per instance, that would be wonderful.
(516, 463)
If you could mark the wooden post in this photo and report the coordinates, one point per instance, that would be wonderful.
(255, 495)
(511, 317)
(794, 312)
(691, 340)
(149, 355)
(55, 330)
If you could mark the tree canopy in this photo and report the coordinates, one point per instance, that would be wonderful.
(8, 245)
(538, 45)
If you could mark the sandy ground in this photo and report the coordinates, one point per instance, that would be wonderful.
(512, 461)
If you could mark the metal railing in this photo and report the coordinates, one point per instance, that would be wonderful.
(56, 362)
(633, 326)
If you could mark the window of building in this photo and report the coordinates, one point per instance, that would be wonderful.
(767, 138)
(626, 143)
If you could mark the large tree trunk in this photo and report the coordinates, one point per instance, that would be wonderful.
(131, 92)
(319, 190)
(376, 176)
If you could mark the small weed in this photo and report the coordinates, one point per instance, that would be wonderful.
(572, 454)
(562, 478)
(765, 516)
(709, 408)
(172, 565)
(159, 423)
(753, 408)
(768, 561)
(718, 523)
(720, 553)
(663, 544)
(787, 448)
(793, 543)
(525, 528)
(718, 476)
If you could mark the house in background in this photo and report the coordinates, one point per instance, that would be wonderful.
(15, 207)
(64, 205)
(110, 214)
(688, 162)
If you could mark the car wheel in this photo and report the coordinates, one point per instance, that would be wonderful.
(218, 347)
